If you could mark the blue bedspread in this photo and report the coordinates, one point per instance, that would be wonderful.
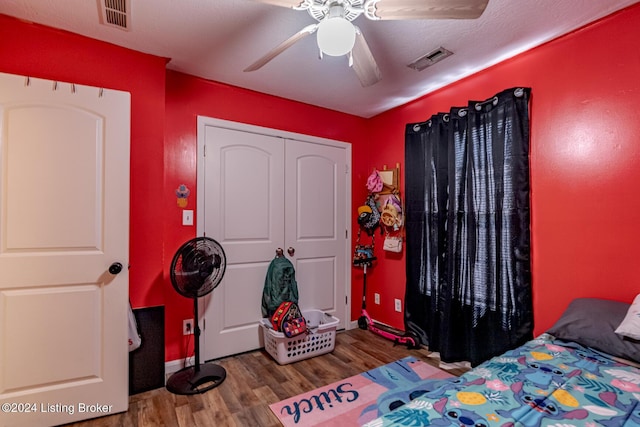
(545, 382)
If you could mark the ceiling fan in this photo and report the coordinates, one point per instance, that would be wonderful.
(337, 36)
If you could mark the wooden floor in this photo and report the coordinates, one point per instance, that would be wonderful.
(254, 381)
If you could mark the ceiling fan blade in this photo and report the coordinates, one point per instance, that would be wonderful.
(424, 9)
(309, 29)
(293, 4)
(363, 62)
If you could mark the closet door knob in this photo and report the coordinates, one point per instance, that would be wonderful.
(291, 251)
(115, 268)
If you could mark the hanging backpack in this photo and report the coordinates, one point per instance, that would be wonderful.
(368, 220)
(369, 216)
(279, 285)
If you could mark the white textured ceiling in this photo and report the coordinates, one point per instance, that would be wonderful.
(217, 39)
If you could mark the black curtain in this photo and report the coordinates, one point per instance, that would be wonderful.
(468, 290)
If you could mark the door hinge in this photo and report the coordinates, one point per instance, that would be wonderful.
(346, 300)
(346, 169)
(346, 234)
(204, 151)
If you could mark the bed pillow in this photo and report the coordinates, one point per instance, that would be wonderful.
(630, 326)
(592, 322)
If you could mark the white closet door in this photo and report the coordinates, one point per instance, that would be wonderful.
(315, 225)
(64, 219)
(259, 192)
(244, 212)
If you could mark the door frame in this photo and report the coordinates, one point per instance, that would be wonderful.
(204, 121)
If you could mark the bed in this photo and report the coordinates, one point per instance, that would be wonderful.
(584, 371)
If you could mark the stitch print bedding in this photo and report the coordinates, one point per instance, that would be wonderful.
(546, 382)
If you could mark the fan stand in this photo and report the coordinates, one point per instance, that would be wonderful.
(197, 378)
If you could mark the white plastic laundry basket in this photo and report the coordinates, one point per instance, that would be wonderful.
(321, 340)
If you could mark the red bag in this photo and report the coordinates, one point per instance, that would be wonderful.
(289, 320)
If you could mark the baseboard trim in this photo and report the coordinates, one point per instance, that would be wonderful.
(354, 325)
(175, 365)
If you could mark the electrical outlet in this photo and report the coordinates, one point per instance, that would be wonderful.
(398, 305)
(187, 326)
(376, 298)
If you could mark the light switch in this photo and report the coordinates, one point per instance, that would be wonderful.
(187, 217)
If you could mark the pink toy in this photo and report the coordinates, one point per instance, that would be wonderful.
(410, 339)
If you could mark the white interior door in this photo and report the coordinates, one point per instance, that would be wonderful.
(315, 225)
(243, 211)
(64, 219)
(252, 184)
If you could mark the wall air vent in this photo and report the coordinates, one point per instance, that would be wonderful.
(430, 58)
(115, 13)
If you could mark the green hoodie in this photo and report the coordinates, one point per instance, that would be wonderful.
(279, 285)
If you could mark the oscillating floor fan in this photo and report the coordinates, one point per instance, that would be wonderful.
(197, 269)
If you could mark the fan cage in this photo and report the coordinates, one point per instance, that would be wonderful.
(197, 267)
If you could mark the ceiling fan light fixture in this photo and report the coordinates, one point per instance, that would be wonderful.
(336, 36)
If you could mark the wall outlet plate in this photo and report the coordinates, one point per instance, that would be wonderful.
(376, 298)
(187, 327)
(398, 304)
(187, 217)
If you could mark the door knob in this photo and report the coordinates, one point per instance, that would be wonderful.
(291, 251)
(115, 268)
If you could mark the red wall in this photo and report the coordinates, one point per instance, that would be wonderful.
(585, 155)
(585, 164)
(38, 51)
(162, 157)
(188, 97)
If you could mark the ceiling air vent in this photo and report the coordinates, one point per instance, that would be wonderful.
(429, 59)
(116, 13)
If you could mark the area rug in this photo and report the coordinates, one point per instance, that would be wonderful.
(361, 398)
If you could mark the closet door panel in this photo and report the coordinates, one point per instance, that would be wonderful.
(244, 212)
(315, 196)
